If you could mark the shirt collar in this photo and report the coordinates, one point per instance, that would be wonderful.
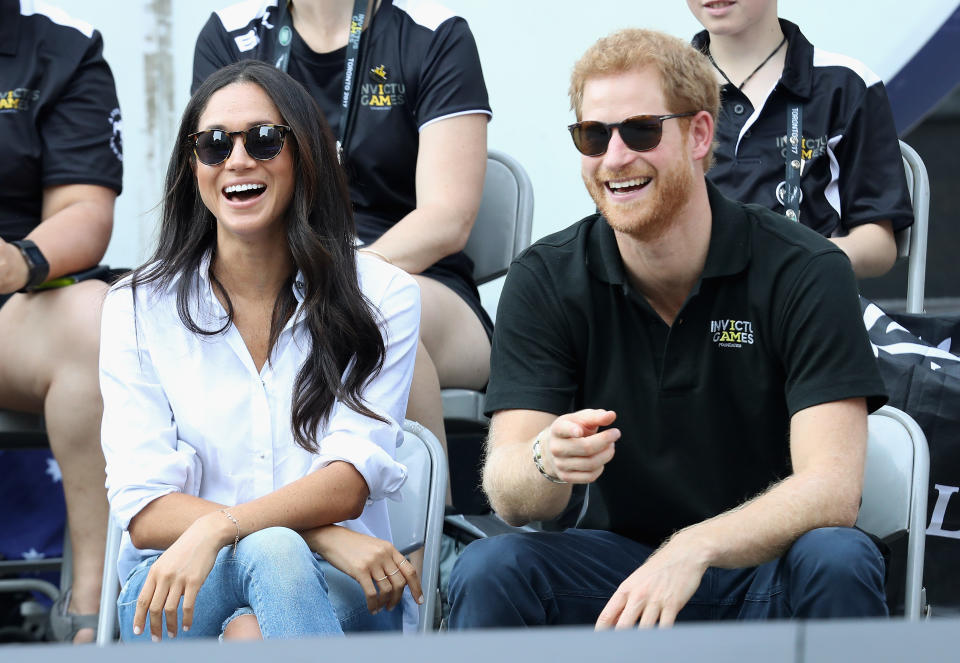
(9, 26)
(798, 69)
(729, 250)
(727, 254)
(797, 74)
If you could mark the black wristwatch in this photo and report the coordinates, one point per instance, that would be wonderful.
(36, 263)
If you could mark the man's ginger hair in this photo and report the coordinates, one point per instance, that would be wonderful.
(687, 80)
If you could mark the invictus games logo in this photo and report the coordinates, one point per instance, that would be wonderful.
(810, 147)
(19, 99)
(383, 96)
(732, 333)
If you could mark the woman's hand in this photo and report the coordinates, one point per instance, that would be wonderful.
(180, 571)
(379, 567)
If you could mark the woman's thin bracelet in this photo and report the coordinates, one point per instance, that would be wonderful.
(236, 539)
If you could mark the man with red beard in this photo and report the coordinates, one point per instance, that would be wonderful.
(686, 376)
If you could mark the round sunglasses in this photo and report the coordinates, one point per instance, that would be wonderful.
(640, 133)
(262, 142)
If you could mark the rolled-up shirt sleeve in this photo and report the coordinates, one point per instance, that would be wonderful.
(144, 458)
(364, 442)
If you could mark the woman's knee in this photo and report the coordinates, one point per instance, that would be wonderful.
(280, 544)
(242, 625)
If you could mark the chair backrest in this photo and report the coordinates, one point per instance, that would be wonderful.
(415, 521)
(895, 486)
(912, 241)
(504, 220)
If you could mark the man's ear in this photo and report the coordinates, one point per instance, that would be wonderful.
(701, 134)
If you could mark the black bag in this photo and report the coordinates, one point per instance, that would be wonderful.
(922, 377)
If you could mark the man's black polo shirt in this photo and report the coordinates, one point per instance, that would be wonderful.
(59, 117)
(852, 171)
(772, 327)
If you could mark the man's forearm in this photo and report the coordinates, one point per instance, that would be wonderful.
(871, 248)
(516, 490)
(763, 528)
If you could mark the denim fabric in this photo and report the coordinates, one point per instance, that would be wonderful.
(537, 579)
(293, 593)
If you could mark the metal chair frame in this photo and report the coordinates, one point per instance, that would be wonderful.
(895, 486)
(912, 241)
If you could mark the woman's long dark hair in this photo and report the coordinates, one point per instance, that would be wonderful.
(341, 322)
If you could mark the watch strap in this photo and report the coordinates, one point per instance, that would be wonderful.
(37, 264)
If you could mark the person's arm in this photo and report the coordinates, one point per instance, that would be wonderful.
(572, 448)
(332, 494)
(451, 163)
(74, 233)
(872, 188)
(827, 449)
(871, 248)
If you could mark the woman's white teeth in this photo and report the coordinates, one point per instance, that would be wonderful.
(639, 181)
(237, 188)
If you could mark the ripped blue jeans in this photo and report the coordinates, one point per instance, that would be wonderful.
(274, 575)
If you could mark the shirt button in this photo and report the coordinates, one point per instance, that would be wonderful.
(738, 109)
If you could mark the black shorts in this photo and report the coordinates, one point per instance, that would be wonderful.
(466, 290)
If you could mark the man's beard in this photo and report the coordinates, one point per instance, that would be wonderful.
(648, 218)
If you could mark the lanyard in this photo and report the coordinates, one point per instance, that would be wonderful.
(284, 39)
(793, 161)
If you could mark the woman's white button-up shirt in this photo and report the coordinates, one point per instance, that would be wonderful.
(190, 413)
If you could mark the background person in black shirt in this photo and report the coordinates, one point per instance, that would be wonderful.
(60, 173)
(853, 188)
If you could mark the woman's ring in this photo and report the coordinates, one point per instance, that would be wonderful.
(394, 573)
(381, 579)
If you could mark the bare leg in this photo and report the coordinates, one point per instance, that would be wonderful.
(48, 362)
(453, 336)
(244, 627)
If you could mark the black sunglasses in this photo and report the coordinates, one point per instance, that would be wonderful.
(640, 133)
(262, 142)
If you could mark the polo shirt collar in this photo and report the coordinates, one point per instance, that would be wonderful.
(797, 70)
(729, 250)
(9, 26)
(797, 74)
(728, 253)
(603, 254)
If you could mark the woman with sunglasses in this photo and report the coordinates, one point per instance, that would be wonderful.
(804, 132)
(254, 372)
(411, 120)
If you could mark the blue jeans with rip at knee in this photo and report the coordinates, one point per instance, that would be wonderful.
(292, 592)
